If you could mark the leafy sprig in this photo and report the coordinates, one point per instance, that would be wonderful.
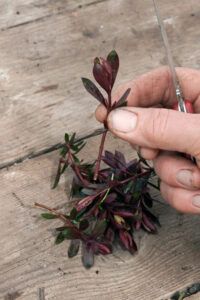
(112, 202)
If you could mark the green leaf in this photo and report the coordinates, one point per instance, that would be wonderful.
(70, 233)
(67, 138)
(64, 150)
(60, 238)
(73, 213)
(76, 159)
(64, 168)
(57, 178)
(48, 216)
(72, 139)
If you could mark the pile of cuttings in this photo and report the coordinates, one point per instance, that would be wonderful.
(108, 210)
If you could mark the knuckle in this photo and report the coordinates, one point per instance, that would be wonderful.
(156, 129)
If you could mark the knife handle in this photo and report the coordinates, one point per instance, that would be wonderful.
(189, 109)
(188, 106)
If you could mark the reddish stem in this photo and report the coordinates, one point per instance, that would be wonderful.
(98, 163)
(61, 217)
(55, 212)
(76, 169)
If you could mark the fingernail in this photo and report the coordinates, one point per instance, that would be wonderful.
(185, 177)
(196, 201)
(122, 120)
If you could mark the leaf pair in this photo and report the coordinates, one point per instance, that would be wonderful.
(105, 72)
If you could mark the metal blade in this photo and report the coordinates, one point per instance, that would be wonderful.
(175, 80)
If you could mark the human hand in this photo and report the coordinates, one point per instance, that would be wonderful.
(161, 132)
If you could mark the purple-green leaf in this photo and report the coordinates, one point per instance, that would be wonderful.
(123, 100)
(113, 60)
(87, 256)
(93, 90)
(100, 227)
(73, 248)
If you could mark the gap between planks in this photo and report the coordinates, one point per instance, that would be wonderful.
(54, 14)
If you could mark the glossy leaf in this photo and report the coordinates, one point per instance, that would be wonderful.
(93, 90)
(103, 73)
(104, 248)
(85, 202)
(147, 224)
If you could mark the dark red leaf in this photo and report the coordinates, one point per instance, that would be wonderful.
(103, 73)
(127, 241)
(124, 213)
(147, 224)
(110, 235)
(83, 203)
(111, 198)
(104, 248)
(93, 90)
(113, 60)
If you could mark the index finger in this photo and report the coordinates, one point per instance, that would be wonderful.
(156, 87)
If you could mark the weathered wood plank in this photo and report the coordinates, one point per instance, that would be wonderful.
(165, 263)
(21, 12)
(42, 62)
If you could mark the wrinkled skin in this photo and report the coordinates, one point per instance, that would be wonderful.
(159, 132)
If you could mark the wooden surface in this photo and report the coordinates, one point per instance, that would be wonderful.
(46, 46)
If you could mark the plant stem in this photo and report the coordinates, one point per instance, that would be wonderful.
(99, 155)
(76, 169)
(54, 211)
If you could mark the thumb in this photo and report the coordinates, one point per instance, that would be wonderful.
(157, 128)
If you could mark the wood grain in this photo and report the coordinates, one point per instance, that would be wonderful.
(46, 46)
(43, 59)
(165, 263)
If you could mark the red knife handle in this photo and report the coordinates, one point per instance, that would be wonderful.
(188, 106)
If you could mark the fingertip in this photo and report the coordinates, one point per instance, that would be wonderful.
(100, 113)
(182, 200)
(148, 153)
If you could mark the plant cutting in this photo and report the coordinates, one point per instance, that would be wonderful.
(112, 194)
